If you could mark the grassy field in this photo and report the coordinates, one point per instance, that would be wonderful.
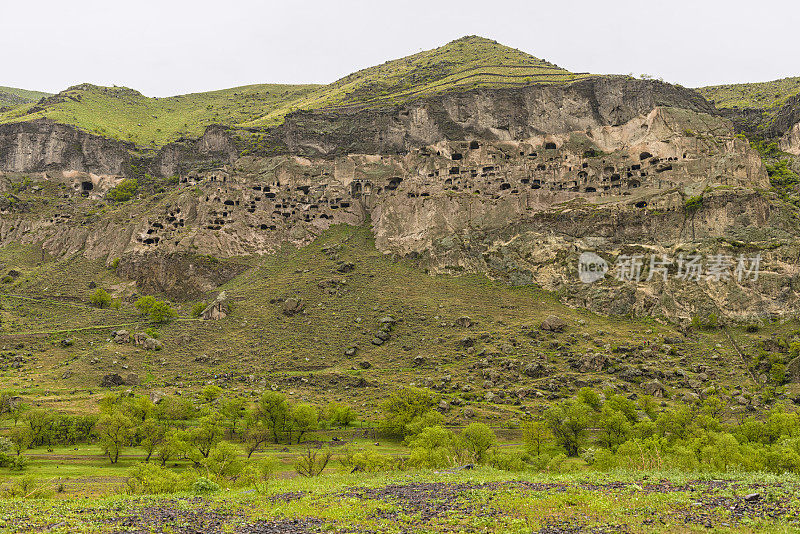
(481, 500)
(126, 114)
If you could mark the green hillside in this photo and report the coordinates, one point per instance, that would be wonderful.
(463, 64)
(764, 95)
(11, 97)
(127, 115)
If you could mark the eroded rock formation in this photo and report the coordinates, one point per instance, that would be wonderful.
(514, 183)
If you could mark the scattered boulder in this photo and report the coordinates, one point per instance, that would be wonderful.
(219, 309)
(132, 379)
(535, 370)
(292, 306)
(351, 351)
(420, 361)
(14, 274)
(382, 335)
(388, 320)
(146, 342)
(152, 343)
(346, 267)
(364, 364)
(443, 406)
(554, 324)
(121, 336)
(654, 389)
(464, 322)
(593, 362)
(468, 412)
(67, 342)
(377, 341)
(111, 380)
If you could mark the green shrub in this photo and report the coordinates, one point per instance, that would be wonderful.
(197, 309)
(124, 191)
(692, 204)
(478, 438)
(506, 461)
(161, 312)
(203, 486)
(434, 447)
(151, 479)
(145, 304)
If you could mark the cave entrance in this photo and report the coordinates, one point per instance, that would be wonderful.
(550, 146)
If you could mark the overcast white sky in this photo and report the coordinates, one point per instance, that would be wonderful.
(167, 47)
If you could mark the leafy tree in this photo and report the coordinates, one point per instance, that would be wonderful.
(171, 447)
(434, 447)
(21, 438)
(210, 393)
(161, 312)
(535, 434)
(255, 435)
(39, 422)
(223, 461)
(273, 410)
(153, 433)
(402, 407)
(145, 304)
(205, 435)
(175, 409)
(305, 418)
(115, 431)
(569, 421)
(340, 414)
(100, 298)
(233, 410)
(478, 439)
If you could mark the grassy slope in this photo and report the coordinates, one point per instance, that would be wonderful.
(765, 95)
(303, 355)
(463, 64)
(127, 115)
(10, 96)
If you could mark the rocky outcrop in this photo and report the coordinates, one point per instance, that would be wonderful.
(46, 146)
(490, 114)
(179, 276)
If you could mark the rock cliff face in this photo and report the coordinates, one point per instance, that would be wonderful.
(514, 183)
(43, 146)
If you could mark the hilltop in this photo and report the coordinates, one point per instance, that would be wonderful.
(127, 115)
(466, 63)
(762, 95)
(11, 96)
